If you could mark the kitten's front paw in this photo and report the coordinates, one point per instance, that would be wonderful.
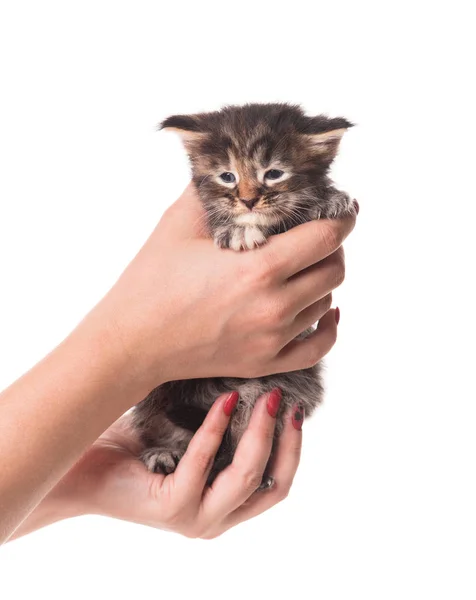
(160, 460)
(222, 237)
(340, 205)
(240, 238)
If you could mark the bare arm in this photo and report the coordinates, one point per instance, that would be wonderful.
(239, 312)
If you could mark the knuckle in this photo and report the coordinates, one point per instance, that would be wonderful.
(339, 275)
(282, 493)
(251, 480)
(339, 268)
(190, 534)
(267, 348)
(187, 524)
(269, 336)
(273, 312)
(246, 271)
(209, 535)
(340, 254)
(277, 313)
(331, 236)
(174, 518)
(273, 344)
(264, 268)
(326, 302)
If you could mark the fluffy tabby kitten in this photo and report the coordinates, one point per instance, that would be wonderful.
(260, 169)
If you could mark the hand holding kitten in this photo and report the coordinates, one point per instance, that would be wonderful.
(179, 308)
(184, 309)
(109, 480)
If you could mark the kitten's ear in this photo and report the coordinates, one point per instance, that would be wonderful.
(189, 127)
(324, 135)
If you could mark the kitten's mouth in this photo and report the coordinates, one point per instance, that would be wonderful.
(261, 216)
(257, 208)
(258, 212)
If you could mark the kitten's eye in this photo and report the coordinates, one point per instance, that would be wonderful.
(273, 174)
(228, 177)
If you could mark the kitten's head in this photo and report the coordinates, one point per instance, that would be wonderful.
(259, 164)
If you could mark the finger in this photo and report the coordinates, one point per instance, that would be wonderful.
(291, 252)
(309, 316)
(283, 470)
(305, 353)
(193, 469)
(315, 282)
(240, 479)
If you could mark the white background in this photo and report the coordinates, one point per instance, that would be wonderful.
(384, 503)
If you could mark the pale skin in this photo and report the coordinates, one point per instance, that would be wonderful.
(181, 309)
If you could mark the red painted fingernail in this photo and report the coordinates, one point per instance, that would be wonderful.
(337, 315)
(230, 403)
(298, 417)
(274, 400)
(357, 207)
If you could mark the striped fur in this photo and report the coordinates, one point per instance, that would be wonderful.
(248, 142)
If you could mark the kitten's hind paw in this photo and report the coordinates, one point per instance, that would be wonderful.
(160, 460)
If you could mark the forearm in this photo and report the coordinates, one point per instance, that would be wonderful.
(56, 506)
(228, 315)
(54, 412)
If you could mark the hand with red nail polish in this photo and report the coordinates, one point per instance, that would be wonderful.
(182, 309)
(110, 480)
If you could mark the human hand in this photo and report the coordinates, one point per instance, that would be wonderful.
(110, 479)
(184, 309)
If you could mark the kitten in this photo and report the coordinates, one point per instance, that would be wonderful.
(260, 169)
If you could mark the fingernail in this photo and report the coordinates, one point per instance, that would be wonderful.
(298, 417)
(230, 403)
(274, 401)
(357, 207)
(337, 315)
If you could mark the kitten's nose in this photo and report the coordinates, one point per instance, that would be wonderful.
(249, 203)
